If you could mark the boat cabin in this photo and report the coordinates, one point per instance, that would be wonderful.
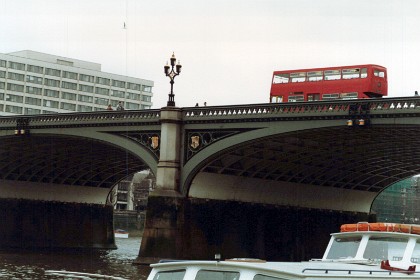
(358, 251)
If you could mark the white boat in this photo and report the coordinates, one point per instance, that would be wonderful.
(120, 233)
(359, 251)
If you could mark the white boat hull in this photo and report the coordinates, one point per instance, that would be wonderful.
(121, 235)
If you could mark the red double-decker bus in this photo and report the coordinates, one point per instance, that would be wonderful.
(344, 82)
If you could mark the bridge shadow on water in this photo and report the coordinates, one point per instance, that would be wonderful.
(33, 264)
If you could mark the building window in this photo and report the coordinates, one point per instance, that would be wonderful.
(2, 63)
(119, 84)
(147, 88)
(34, 90)
(68, 95)
(69, 75)
(101, 101)
(34, 79)
(103, 91)
(16, 76)
(13, 109)
(86, 78)
(146, 98)
(14, 98)
(14, 87)
(53, 72)
(68, 85)
(2, 85)
(133, 96)
(52, 93)
(52, 83)
(35, 69)
(86, 88)
(68, 106)
(83, 108)
(30, 111)
(1, 95)
(85, 98)
(17, 65)
(132, 106)
(117, 93)
(50, 103)
(33, 101)
(2, 74)
(134, 86)
(145, 107)
(103, 81)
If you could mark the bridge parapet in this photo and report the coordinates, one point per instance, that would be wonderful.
(302, 109)
(82, 119)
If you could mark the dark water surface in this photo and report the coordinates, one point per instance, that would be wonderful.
(35, 264)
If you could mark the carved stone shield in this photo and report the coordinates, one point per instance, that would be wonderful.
(195, 142)
(154, 142)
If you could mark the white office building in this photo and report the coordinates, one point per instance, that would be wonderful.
(38, 83)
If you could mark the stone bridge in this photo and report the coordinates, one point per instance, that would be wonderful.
(244, 181)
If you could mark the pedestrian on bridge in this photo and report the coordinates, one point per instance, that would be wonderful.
(120, 107)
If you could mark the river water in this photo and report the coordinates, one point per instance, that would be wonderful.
(38, 264)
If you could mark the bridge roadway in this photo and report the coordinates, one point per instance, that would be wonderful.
(238, 180)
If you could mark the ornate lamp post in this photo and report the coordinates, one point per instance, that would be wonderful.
(172, 74)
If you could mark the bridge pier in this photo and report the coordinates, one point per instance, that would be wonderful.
(34, 224)
(39, 215)
(199, 228)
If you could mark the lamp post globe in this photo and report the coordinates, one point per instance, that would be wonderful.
(172, 71)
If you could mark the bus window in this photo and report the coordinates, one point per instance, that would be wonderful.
(276, 99)
(363, 73)
(315, 76)
(332, 75)
(349, 95)
(296, 98)
(313, 96)
(281, 78)
(298, 77)
(351, 73)
(329, 96)
(379, 73)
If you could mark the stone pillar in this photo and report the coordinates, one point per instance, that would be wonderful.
(163, 236)
(167, 177)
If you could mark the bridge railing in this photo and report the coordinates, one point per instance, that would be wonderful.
(318, 108)
(104, 117)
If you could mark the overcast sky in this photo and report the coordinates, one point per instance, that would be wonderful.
(228, 48)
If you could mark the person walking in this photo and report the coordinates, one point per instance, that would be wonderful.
(109, 108)
(120, 107)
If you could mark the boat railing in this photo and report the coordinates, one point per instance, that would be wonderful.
(80, 275)
(350, 271)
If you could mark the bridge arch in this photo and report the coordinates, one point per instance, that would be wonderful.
(72, 157)
(324, 160)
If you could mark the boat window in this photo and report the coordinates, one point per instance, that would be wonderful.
(343, 248)
(217, 275)
(415, 258)
(265, 277)
(281, 78)
(385, 248)
(170, 275)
